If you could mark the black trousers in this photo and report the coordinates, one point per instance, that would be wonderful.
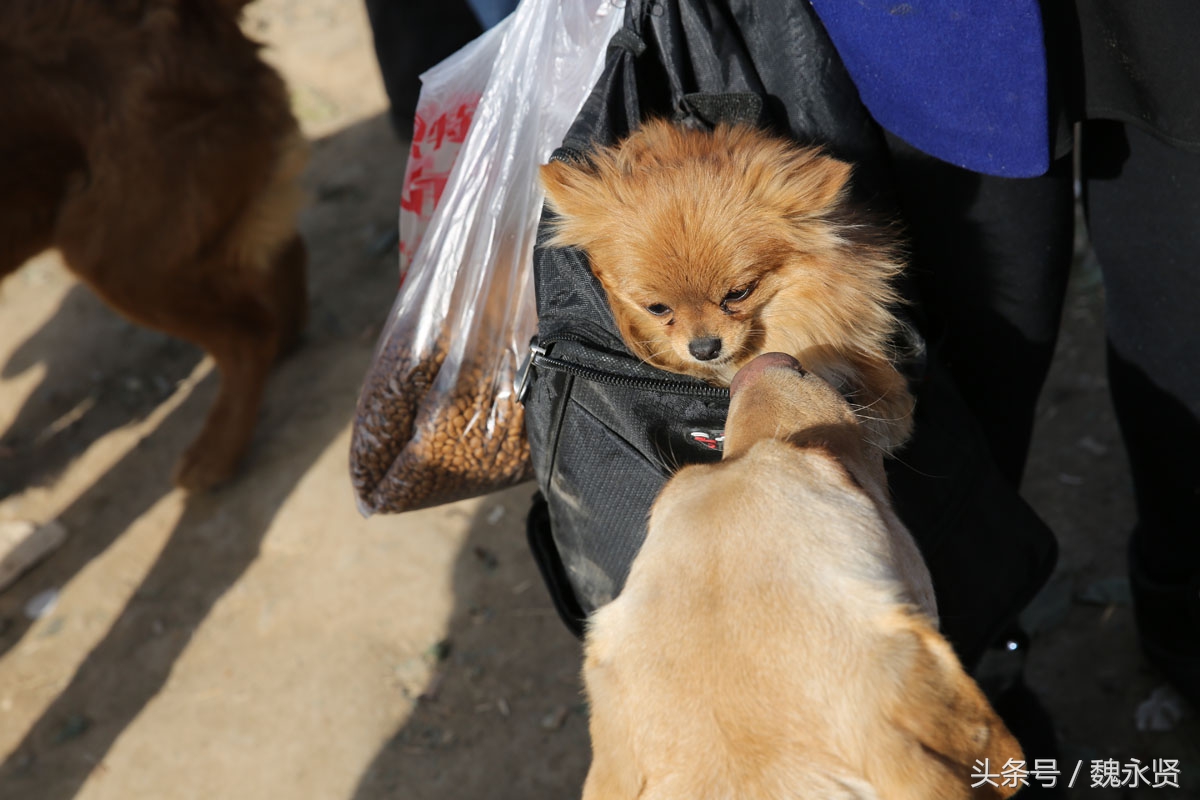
(991, 258)
(410, 37)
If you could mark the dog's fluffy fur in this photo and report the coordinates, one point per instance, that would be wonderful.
(776, 637)
(149, 143)
(715, 247)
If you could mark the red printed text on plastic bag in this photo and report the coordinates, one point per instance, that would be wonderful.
(438, 134)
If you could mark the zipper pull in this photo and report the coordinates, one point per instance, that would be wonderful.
(523, 374)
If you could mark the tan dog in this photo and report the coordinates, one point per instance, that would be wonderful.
(716, 247)
(777, 635)
(150, 144)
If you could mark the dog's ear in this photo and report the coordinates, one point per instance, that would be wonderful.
(577, 195)
(947, 713)
(570, 189)
(814, 183)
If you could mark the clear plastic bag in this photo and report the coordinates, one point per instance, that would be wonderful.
(438, 418)
(450, 93)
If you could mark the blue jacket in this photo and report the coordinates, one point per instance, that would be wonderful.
(963, 81)
(991, 85)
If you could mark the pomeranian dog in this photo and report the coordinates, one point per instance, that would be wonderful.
(149, 142)
(714, 247)
(777, 636)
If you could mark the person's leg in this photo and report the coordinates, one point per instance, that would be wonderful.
(991, 257)
(410, 37)
(990, 260)
(1143, 207)
(988, 270)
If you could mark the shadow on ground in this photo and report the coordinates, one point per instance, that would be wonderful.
(93, 384)
(504, 715)
(309, 401)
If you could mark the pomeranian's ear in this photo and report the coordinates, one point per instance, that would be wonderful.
(570, 189)
(947, 713)
(576, 194)
(815, 182)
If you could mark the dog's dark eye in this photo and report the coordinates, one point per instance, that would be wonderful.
(738, 294)
(658, 309)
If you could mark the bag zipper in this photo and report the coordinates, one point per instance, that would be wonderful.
(569, 155)
(538, 358)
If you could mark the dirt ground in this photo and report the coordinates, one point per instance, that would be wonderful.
(265, 641)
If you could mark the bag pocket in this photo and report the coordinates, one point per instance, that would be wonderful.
(605, 434)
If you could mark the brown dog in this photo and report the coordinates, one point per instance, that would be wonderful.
(715, 247)
(777, 635)
(149, 143)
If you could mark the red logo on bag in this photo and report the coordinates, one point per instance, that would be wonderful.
(709, 439)
(425, 181)
(437, 137)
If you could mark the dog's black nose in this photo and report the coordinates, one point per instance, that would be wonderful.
(705, 349)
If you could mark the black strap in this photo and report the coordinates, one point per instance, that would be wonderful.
(554, 575)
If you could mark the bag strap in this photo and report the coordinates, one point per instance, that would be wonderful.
(550, 565)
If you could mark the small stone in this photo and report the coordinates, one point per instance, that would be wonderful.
(41, 604)
(23, 544)
(386, 242)
(53, 628)
(440, 651)
(555, 719)
(75, 726)
(486, 557)
(1161, 711)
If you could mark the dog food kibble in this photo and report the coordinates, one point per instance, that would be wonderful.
(418, 444)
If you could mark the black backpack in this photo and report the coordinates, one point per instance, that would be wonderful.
(606, 431)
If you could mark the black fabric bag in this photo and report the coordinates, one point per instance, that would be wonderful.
(606, 431)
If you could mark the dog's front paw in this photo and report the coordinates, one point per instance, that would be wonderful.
(202, 468)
